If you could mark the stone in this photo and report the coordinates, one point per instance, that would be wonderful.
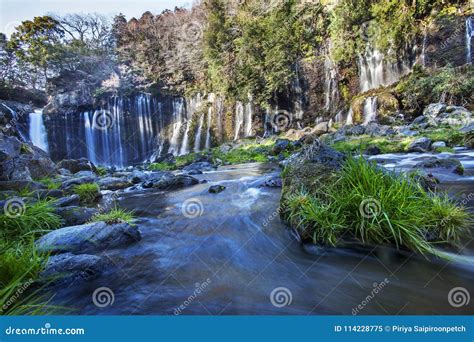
(438, 144)
(422, 144)
(167, 158)
(175, 182)
(113, 183)
(44, 193)
(199, 167)
(89, 174)
(280, 146)
(273, 182)
(67, 268)
(137, 177)
(19, 185)
(419, 120)
(434, 109)
(76, 165)
(356, 130)
(70, 183)
(373, 150)
(321, 128)
(72, 200)
(451, 164)
(215, 189)
(73, 215)
(89, 238)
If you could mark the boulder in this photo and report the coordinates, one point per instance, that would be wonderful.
(373, 150)
(167, 158)
(67, 268)
(438, 144)
(199, 167)
(434, 109)
(419, 120)
(72, 200)
(451, 164)
(18, 185)
(70, 183)
(280, 146)
(113, 183)
(73, 215)
(89, 174)
(89, 238)
(215, 189)
(76, 165)
(356, 130)
(420, 145)
(273, 182)
(21, 161)
(172, 182)
(137, 177)
(321, 128)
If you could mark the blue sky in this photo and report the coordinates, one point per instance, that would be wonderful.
(14, 11)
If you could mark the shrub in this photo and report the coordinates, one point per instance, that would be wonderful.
(51, 183)
(87, 192)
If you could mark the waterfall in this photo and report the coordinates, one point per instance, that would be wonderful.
(185, 144)
(331, 86)
(248, 119)
(423, 49)
(469, 35)
(37, 130)
(178, 106)
(375, 71)
(239, 118)
(349, 119)
(89, 138)
(208, 133)
(197, 139)
(298, 89)
(370, 109)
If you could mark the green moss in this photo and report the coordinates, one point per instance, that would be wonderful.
(87, 192)
(371, 205)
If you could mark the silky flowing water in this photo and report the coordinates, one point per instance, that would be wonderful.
(235, 250)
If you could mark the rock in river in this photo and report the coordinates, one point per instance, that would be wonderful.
(88, 238)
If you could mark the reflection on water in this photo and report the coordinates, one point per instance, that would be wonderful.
(237, 246)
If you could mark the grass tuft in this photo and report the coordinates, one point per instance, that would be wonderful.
(87, 192)
(365, 202)
(116, 215)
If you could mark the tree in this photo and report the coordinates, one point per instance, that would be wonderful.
(37, 43)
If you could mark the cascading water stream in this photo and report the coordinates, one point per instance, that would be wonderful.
(370, 109)
(248, 119)
(239, 118)
(469, 35)
(37, 131)
(208, 133)
(331, 86)
(376, 71)
(197, 139)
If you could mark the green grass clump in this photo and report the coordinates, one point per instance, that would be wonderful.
(50, 183)
(20, 263)
(161, 167)
(360, 144)
(32, 220)
(101, 171)
(451, 136)
(364, 202)
(87, 192)
(116, 215)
